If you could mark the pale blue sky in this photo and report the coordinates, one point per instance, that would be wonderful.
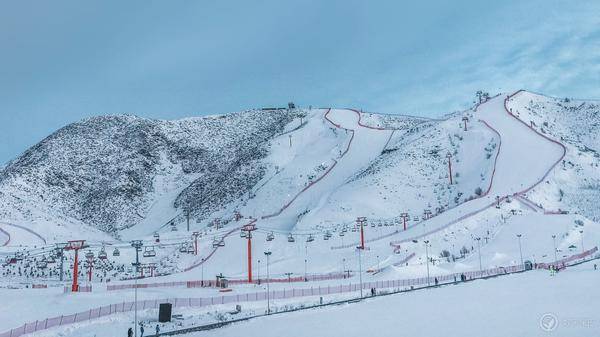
(61, 61)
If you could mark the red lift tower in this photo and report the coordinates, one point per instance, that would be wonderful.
(89, 256)
(249, 229)
(426, 214)
(152, 267)
(404, 219)
(449, 156)
(195, 237)
(362, 221)
(75, 245)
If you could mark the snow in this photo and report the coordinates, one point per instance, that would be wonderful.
(505, 306)
(341, 165)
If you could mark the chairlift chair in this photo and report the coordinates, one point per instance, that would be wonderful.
(116, 252)
(173, 227)
(183, 248)
(310, 238)
(190, 249)
(243, 234)
(41, 264)
(156, 238)
(222, 242)
(102, 254)
(149, 252)
(270, 236)
(291, 238)
(51, 259)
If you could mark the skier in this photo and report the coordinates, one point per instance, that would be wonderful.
(157, 329)
(595, 266)
(130, 332)
(142, 330)
(436, 281)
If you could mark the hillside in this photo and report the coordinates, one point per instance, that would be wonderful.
(109, 172)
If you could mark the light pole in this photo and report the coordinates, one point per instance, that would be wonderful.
(258, 272)
(135, 320)
(520, 250)
(427, 259)
(137, 244)
(202, 272)
(267, 254)
(360, 248)
(60, 252)
(305, 271)
(554, 245)
(582, 249)
(479, 250)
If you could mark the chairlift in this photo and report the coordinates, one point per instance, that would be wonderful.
(291, 238)
(51, 259)
(173, 227)
(89, 255)
(190, 249)
(156, 237)
(149, 252)
(41, 264)
(183, 248)
(270, 236)
(310, 238)
(243, 234)
(102, 254)
(373, 224)
(222, 242)
(354, 229)
(116, 252)
(342, 233)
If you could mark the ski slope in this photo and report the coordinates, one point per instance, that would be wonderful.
(509, 306)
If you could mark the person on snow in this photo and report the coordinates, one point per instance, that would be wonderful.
(157, 329)
(595, 266)
(130, 332)
(435, 280)
(142, 330)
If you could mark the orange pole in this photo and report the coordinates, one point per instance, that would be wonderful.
(75, 287)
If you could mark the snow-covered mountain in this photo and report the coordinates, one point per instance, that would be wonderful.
(130, 176)
(109, 172)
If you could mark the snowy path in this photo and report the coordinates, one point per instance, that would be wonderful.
(525, 158)
(20, 235)
(366, 144)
